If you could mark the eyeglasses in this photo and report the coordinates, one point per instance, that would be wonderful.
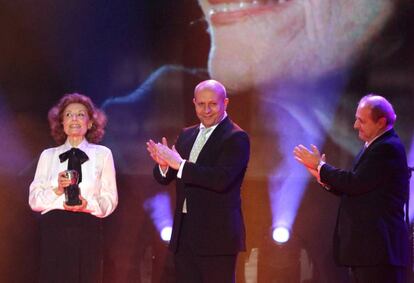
(78, 116)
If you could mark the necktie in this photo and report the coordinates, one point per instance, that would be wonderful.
(75, 158)
(195, 151)
(199, 143)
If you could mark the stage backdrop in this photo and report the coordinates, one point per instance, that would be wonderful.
(294, 71)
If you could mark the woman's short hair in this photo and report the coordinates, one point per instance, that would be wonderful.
(97, 117)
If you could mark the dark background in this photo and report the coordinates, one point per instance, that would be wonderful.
(107, 49)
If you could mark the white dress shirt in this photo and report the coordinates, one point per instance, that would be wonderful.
(98, 184)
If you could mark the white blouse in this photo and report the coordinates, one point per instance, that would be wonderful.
(98, 184)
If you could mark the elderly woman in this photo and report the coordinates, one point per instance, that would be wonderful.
(71, 240)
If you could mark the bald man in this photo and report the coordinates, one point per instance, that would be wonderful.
(371, 235)
(208, 163)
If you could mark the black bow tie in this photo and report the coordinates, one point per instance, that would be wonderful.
(76, 158)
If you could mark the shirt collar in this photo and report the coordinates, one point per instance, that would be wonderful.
(367, 144)
(214, 126)
(83, 145)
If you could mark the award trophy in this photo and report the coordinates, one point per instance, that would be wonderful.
(72, 191)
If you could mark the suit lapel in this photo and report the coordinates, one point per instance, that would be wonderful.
(214, 139)
(188, 141)
(363, 153)
(359, 157)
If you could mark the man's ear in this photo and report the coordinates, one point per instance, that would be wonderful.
(226, 102)
(382, 122)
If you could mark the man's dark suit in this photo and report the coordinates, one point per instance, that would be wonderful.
(211, 187)
(370, 228)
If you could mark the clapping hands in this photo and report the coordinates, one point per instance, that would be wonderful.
(163, 155)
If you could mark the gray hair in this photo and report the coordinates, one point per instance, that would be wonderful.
(380, 107)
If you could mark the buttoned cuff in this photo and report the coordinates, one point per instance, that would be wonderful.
(180, 170)
(164, 174)
(321, 163)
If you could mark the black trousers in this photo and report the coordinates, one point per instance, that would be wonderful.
(379, 274)
(193, 268)
(71, 248)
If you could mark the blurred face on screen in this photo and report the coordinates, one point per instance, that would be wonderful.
(261, 42)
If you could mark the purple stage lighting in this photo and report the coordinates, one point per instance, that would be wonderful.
(411, 164)
(159, 209)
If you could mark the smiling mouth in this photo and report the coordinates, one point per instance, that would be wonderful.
(223, 12)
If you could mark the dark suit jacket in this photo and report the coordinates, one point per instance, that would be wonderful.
(211, 187)
(370, 227)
